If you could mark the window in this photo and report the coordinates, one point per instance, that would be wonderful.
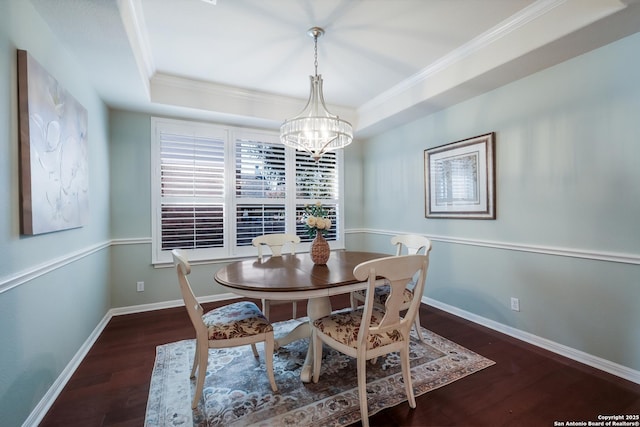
(317, 181)
(215, 188)
(260, 189)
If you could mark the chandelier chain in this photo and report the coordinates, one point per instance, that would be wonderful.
(315, 52)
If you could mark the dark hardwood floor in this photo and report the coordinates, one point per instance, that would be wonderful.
(527, 386)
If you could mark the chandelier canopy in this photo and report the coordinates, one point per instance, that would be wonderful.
(315, 129)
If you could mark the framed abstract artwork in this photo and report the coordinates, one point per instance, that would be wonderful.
(460, 179)
(54, 176)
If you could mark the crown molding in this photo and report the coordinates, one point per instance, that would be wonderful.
(136, 29)
(503, 29)
(214, 97)
(535, 27)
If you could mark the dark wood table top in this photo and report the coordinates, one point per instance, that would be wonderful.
(293, 273)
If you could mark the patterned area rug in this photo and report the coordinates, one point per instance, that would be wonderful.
(237, 391)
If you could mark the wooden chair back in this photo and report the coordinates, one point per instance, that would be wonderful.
(183, 269)
(275, 242)
(411, 244)
(397, 272)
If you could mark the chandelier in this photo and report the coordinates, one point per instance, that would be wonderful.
(315, 129)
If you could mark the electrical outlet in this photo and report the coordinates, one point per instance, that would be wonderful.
(515, 304)
(140, 287)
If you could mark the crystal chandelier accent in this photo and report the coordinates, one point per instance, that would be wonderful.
(315, 129)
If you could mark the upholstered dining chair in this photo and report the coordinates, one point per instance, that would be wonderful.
(369, 332)
(408, 244)
(232, 325)
(276, 242)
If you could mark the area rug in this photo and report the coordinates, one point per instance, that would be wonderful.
(237, 390)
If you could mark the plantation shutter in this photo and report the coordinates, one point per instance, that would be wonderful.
(260, 189)
(192, 190)
(317, 182)
(215, 188)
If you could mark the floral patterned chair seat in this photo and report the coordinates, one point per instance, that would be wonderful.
(344, 327)
(238, 320)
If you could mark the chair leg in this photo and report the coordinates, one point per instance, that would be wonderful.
(317, 356)
(265, 308)
(295, 310)
(255, 350)
(362, 390)
(406, 375)
(268, 356)
(195, 360)
(354, 301)
(203, 355)
(418, 327)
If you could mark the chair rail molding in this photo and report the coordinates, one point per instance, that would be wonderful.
(24, 276)
(132, 241)
(619, 257)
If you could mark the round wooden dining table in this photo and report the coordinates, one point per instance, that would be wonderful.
(296, 277)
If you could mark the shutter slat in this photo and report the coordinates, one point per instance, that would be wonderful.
(260, 169)
(254, 220)
(192, 169)
(316, 180)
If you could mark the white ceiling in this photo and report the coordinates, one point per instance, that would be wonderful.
(383, 61)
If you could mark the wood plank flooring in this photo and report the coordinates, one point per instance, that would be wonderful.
(528, 386)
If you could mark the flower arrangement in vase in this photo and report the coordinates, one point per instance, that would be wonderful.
(317, 224)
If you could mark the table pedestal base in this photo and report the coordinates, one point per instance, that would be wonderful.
(316, 308)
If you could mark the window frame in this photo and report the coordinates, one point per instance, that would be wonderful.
(230, 249)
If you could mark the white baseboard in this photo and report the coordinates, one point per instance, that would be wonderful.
(169, 304)
(568, 352)
(54, 391)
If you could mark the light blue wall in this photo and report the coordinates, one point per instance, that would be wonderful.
(567, 153)
(567, 144)
(130, 151)
(54, 288)
(567, 148)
